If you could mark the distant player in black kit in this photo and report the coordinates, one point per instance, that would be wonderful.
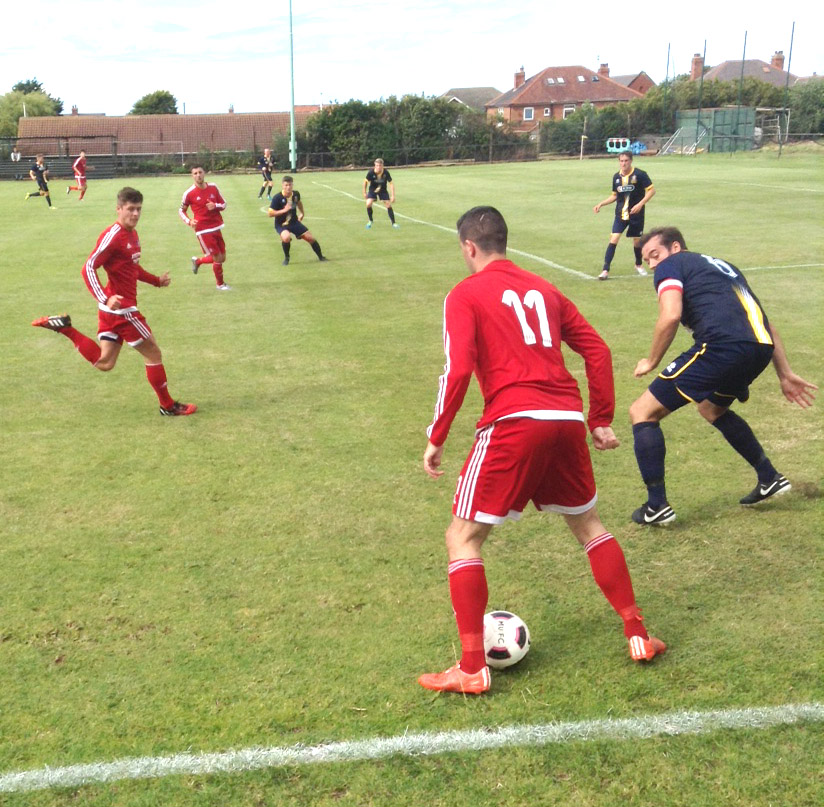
(266, 164)
(378, 185)
(631, 190)
(39, 172)
(734, 342)
(287, 211)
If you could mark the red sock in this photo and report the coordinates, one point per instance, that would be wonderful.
(204, 259)
(156, 374)
(86, 347)
(467, 587)
(609, 568)
(217, 268)
(82, 192)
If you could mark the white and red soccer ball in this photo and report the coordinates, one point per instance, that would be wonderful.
(506, 639)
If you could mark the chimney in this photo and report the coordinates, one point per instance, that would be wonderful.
(520, 78)
(603, 70)
(74, 110)
(697, 69)
(778, 60)
(231, 109)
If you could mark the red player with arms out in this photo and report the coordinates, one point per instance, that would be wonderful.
(79, 168)
(506, 325)
(118, 252)
(206, 202)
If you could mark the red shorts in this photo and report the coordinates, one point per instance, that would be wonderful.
(80, 181)
(518, 460)
(130, 327)
(212, 243)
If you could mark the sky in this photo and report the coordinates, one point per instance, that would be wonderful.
(104, 55)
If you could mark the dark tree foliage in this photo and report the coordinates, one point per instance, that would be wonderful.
(159, 102)
(404, 130)
(32, 85)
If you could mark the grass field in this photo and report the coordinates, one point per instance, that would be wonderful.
(270, 573)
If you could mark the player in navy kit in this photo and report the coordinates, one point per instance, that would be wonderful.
(39, 172)
(287, 211)
(631, 190)
(734, 342)
(266, 164)
(378, 184)
(506, 326)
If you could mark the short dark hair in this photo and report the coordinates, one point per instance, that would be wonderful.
(287, 179)
(196, 165)
(485, 226)
(627, 152)
(667, 235)
(129, 196)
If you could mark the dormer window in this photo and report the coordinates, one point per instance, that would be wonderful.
(581, 78)
(550, 81)
(595, 78)
(560, 79)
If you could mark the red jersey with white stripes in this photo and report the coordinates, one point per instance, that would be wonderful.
(506, 325)
(79, 167)
(118, 252)
(197, 198)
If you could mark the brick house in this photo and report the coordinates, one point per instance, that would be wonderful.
(773, 73)
(555, 93)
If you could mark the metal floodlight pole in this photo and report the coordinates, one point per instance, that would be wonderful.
(293, 157)
(786, 95)
(700, 93)
(740, 90)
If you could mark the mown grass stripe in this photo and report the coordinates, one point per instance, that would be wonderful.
(425, 743)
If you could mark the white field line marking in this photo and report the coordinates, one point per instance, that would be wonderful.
(424, 743)
(772, 187)
(749, 269)
(452, 231)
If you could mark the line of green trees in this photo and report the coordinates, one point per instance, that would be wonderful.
(655, 112)
(405, 130)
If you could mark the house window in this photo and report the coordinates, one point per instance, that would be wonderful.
(500, 110)
(547, 111)
(560, 79)
(581, 78)
(550, 81)
(569, 109)
(529, 113)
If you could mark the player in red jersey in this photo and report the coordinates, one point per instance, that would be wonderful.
(79, 168)
(206, 202)
(506, 325)
(118, 252)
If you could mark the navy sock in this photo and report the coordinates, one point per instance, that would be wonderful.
(369, 213)
(739, 435)
(650, 452)
(609, 255)
(637, 256)
(286, 247)
(391, 214)
(316, 248)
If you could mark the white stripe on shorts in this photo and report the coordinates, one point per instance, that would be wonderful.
(466, 487)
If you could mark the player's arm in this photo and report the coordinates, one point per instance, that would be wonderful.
(220, 204)
(183, 212)
(365, 186)
(391, 191)
(301, 211)
(637, 208)
(577, 332)
(459, 349)
(794, 387)
(608, 201)
(670, 308)
(153, 280)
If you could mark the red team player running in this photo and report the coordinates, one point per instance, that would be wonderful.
(206, 202)
(118, 252)
(79, 168)
(507, 325)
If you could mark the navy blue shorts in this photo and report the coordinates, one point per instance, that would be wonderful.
(297, 228)
(382, 195)
(634, 226)
(719, 373)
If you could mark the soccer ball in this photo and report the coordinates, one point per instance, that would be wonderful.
(506, 639)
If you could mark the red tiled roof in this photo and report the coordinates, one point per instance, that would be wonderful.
(245, 131)
(562, 85)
